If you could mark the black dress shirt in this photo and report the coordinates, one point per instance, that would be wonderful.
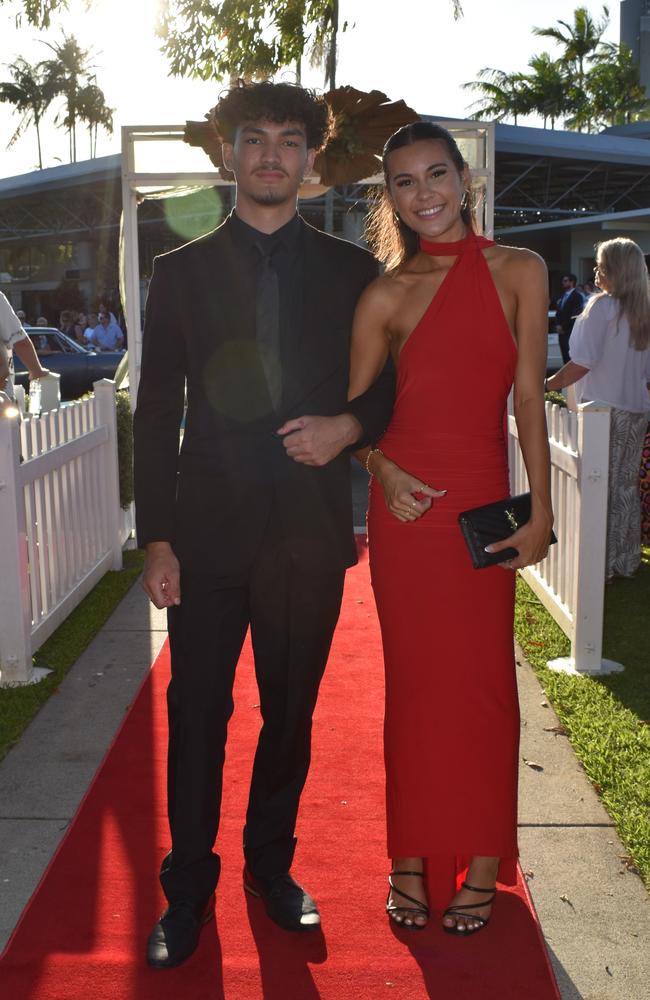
(287, 261)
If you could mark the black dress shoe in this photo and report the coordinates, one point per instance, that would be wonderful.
(286, 902)
(176, 935)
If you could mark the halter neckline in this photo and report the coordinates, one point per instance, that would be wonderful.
(435, 249)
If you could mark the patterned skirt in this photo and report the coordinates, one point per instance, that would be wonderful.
(626, 441)
(644, 490)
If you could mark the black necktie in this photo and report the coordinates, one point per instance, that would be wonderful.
(267, 322)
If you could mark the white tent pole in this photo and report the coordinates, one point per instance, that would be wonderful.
(160, 178)
(131, 262)
(490, 167)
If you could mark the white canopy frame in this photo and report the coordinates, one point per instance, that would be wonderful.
(144, 147)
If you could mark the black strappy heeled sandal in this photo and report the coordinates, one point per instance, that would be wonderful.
(459, 911)
(420, 908)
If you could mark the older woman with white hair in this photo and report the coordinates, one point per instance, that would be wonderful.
(610, 362)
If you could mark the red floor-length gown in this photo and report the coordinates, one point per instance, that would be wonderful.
(452, 715)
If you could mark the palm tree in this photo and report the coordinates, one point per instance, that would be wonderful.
(69, 71)
(548, 87)
(580, 40)
(93, 110)
(504, 94)
(615, 93)
(31, 91)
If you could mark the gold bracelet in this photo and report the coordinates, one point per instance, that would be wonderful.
(373, 451)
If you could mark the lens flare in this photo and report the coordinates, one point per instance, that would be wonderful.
(194, 214)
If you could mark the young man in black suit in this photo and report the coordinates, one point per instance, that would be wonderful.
(568, 307)
(256, 318)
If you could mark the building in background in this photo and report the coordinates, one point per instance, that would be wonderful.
(557, 192)
(635, 33)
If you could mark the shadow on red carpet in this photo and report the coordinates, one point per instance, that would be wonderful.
(84, 932)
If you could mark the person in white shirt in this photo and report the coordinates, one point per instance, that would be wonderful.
(14, 338)
(6, 405)
(107, 335)
(610, 362)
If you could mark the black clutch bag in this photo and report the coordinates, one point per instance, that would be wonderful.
(492, 523)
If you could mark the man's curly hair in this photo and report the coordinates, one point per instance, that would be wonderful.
(274, 102)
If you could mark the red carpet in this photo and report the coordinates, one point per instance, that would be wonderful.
(83, 934)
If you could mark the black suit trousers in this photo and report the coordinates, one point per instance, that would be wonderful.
(292, 614)
(563, 339)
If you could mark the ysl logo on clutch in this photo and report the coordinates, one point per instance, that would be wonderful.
(512, 520)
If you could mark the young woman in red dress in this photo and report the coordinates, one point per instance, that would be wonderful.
(464, 320)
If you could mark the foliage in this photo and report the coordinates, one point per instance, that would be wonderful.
(71, 75)
(615, 94)
(591, 85)
(124, 447)
(605, 718)
(19, 705)
(504, 94)
(31, 91)
(246, 38)
(38, 12)
(547, 87)
(93, 110)
(580, 40)
(251, 38)
(556, 398)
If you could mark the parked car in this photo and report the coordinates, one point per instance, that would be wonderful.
(78, 366)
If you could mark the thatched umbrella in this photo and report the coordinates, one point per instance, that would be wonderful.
(362, 124)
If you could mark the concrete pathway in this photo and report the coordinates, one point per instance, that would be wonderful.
(45, 776)
(594, 912)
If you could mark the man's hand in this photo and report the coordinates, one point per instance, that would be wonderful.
(317, 440)
(162, 577)
(37, 373)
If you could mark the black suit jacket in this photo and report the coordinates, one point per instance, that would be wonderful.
(213, 500)
(566, 314)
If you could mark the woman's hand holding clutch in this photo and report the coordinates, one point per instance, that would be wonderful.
(531, 541)
(406, 496)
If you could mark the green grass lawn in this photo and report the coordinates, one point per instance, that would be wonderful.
(607, 717)
(19, 705)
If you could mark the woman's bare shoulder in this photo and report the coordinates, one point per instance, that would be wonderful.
(384, 292)
(516, 259)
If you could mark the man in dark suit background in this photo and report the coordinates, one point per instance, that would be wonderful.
(568, 307)
(256, 318)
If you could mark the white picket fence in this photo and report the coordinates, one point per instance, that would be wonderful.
(570, 582)
(61, 525)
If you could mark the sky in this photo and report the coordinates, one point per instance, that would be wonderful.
(411, 49)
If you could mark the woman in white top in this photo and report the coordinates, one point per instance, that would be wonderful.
(610, 362)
